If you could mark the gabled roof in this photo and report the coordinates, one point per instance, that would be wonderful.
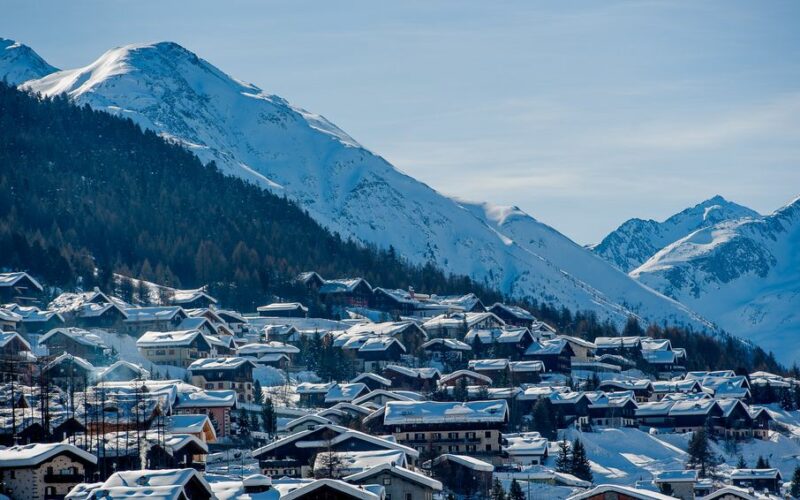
(155, 313)
(207, 399)
(77, 335)
(423, 373)
(155, 478)
(122, 364)
(408, 475)
(282, 306)
(11, 279)
(188, 296)
(178, 338)
(334, 484)
(465, 461)
(345, 392)
(458, 319)
(316, 419)
(546, 347)
(526, 443)
(342, 433)
(229, 363)
(617, 342)
(342, 285)
(515, 311)
(31, 455)
(464, 373)
(503, 335)
(390, 328)
(372, 376)
(381, 392)
(64, 357)
(31, 314)
(625, 491)
(8, 337)
(452, 344)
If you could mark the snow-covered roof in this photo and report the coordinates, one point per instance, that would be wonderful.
(693, 407)
(207, 399)
(154, 478)
(341, 434)
(526, 443)
(604, 490)
(391, 395)
(409, 475)
(227, 363)
(488, 364)
(7, 337)
(617, 342)
(423, 373)
(390, 328)
(380, 344)
(313, 387)
(432, 412)
(466, 461)
(69, 357)
(178, 338)
(515, 311)
(121, 365)
(307, 490)
(189, 424)
(464, 373)
(751, 474)
(546, 347)
(155, 313)
(676, 476)
(342, 285)
(452, 344)
(282, 307)
(526, 366)
(505, 335)
(345, 392)
(373, 376)
(31, 455)
(29, 314)
(458, 319)
(11, 279)
(188, 296)
(78, 335)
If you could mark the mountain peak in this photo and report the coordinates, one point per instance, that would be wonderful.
(19, 63)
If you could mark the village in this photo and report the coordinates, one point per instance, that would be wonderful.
(377, 394)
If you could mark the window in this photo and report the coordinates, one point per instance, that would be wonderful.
(488, 447)
(488, 434)
(470, 435)
(50, 491)
(452, 435)
(387, 480)
(408, 496)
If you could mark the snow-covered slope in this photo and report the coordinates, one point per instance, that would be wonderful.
(345, 187)
(744, 275)
(19, 63)
(636, 240)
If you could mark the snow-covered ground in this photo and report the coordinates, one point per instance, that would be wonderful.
(625, 456)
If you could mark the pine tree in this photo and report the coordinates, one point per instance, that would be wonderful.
(269, 417)
(741, 464)
(498, 493)
(515, 492)
(787, 400)
(794, 490)
(543, 418)
(762, 463)
(563, 463)
(460, 391)
(700, 455)
(581, 468)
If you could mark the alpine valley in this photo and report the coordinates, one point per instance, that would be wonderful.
(716, 265)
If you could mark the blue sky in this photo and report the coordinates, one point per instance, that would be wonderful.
(584, 114)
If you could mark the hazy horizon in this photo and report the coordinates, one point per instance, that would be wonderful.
(583, 116)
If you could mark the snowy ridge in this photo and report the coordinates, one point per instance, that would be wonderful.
(348, 189)
(636, 240)
(19, 63)
(744, 274)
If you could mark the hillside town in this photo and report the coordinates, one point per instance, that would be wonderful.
(362, 392)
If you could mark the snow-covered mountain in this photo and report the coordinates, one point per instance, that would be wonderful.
(264, 139)
(636, 240)
(19, 63)
(743, 274)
